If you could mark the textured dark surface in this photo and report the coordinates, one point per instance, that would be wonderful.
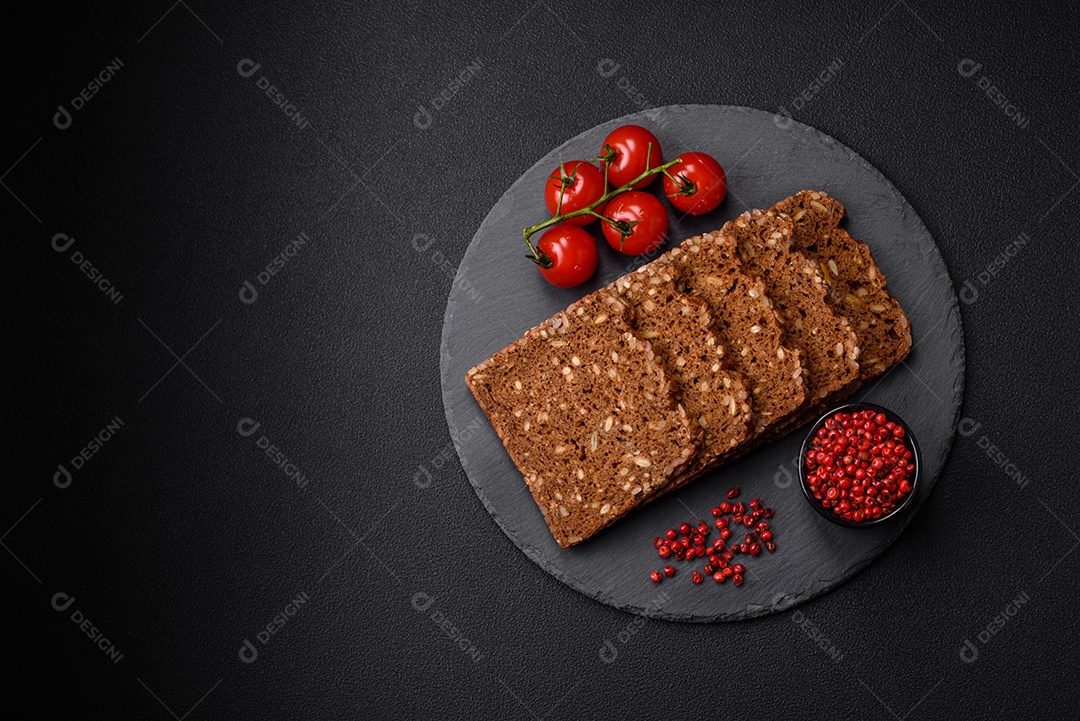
(180, 539)
(496, 297)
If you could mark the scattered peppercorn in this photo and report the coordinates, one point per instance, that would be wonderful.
(687, 540)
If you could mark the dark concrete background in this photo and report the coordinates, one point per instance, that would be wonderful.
(180, 539)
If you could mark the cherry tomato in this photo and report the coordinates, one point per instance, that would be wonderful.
(626, 152)
(580, 183)
(573, 255)
(699, 186)
(641, 223)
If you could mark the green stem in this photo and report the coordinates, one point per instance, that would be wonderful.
(542, 259)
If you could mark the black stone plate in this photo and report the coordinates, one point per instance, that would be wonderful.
(498, 295)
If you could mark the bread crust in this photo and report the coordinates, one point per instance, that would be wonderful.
(856, 285)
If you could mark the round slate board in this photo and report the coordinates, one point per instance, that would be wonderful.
(498, 295)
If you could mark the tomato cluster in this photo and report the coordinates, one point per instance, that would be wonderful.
(634, 222)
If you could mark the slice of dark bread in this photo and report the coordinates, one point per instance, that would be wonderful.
(679, 327)
(587, 414)
(825, 343)
(811, 325)
(707, 266)
(856, 284)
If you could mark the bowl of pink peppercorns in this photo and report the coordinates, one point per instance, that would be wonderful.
(860, 465)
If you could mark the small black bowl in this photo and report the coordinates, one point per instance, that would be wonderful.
(909, 441)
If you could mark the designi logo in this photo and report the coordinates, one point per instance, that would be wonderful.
(63, 119)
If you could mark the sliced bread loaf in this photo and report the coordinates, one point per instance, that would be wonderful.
(811, 325)
(707, 266)
(856, 284)
(587, 414)
(679, 327)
